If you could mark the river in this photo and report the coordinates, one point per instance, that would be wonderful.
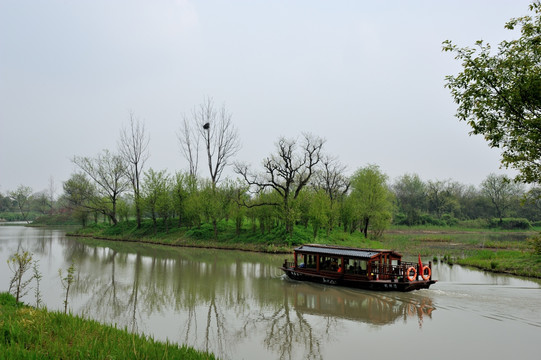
(238, 305)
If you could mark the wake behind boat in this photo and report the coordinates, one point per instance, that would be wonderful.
(358, 268)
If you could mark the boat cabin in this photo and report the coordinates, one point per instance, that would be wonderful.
(373, 264)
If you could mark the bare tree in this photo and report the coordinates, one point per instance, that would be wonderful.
(219, 135)
(330, 177)
(133, 147)
(189, 145)
(108, 171)
(287, 173)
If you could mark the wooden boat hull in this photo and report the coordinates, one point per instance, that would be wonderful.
(357, 282)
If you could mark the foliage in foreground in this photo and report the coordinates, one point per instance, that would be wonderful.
(28, 333)
(498, 94)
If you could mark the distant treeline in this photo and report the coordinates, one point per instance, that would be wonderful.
(298, 185)
(365, 201)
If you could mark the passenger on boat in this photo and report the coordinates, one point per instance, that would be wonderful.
(340, 268)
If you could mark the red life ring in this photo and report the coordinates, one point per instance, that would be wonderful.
(425, 273)
(411, 277)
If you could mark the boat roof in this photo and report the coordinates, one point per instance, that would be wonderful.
(342, 251)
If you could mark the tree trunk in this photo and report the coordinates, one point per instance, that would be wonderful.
(138, 210)
(365, 230)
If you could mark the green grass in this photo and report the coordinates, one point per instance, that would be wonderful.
(504, 251)
(249, 238)
(28, 333)
(466, 246)
(506, 261)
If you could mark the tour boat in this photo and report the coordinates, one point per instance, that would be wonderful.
(358, 268)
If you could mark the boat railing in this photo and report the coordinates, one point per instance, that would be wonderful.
(395, 272)
(288, 264)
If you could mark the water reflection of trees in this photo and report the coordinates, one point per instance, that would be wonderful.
(220, 299)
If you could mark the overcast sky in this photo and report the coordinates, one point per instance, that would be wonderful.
(368, 76)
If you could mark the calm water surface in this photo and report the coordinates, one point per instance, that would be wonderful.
(238, 305)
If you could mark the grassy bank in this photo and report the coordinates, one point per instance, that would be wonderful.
(492, 250)
(28, 333)
(248, 238)
(489, 249)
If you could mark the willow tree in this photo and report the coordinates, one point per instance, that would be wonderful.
(499, 94)
(372, 200)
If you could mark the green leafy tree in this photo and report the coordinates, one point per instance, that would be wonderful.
(499, 94)
(264, 216)
(193, 208)
(319, 211)
(22, 197)
(372, 199)
(155, 190)
(180, 191)
(502, 193)
(42, 203)
(442, 197)
(124, 206)
(301, 207)
(331, 178)
(410, 192)
(164, 205)
(214, 204)
(239, 196)
(81, 197)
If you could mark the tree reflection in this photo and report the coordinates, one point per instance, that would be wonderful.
(216, 300)
(288, 327)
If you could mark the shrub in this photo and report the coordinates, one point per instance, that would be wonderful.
(429, 220)
(536, 244)
(449, 219)
(536, 224)
(510, 224)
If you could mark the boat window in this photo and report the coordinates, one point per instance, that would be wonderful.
(328, 263)
(358, 267)
(363, 265)
(311, 262)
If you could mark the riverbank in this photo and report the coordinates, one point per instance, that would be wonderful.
(275, 241)
(499, 251)
(508, 252)
(30, 333)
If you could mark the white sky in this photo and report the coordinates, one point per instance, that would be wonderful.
(367, 76)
